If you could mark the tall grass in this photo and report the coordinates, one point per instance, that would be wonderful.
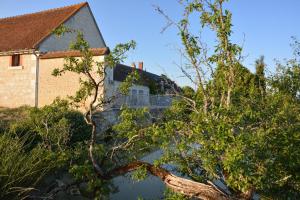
(20, 170)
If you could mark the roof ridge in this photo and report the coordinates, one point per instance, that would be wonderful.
(79, 5)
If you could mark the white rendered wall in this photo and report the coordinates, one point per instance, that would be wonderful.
(83, 21)
(142, 97)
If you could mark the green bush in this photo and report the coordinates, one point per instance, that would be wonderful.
(34, 142)
(55, 126)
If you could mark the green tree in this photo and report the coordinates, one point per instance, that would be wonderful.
(260, 75)
(240, 128)
(229, 132)
(90, 162)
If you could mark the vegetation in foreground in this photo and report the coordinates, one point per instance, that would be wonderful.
(239, 127)
(34, 143)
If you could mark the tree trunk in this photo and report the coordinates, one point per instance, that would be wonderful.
(184, 186)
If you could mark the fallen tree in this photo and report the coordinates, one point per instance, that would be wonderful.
(237, 126)
(178, 184)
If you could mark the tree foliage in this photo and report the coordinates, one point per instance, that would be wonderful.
(241, 128)
(238, 127)
(90, 160)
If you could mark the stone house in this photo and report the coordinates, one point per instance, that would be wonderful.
(29, 52)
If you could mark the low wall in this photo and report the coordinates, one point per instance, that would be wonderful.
(108, 118)
(152, 101)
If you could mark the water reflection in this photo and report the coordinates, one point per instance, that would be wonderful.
(150, 188)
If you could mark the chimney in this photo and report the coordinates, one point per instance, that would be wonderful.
(141, 66)
(133, 65)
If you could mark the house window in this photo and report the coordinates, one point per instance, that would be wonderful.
(15, 60)
(134, 98)
(141, 98)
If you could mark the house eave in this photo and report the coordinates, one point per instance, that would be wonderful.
(20, 51)
(74, 53)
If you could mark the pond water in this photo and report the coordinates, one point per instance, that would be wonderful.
(150, 188)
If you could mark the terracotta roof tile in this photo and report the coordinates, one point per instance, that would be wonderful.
(27, 31)
(71, 53)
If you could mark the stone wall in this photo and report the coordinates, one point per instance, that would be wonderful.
(51, 87)
(17, 84)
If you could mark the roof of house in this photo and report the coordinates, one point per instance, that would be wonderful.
(122, 71)
(153, 81)
(27, 31)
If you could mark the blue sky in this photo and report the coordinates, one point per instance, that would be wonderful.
(264, 26)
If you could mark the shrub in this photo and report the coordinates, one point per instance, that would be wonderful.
(56, 126)
(34, 142)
